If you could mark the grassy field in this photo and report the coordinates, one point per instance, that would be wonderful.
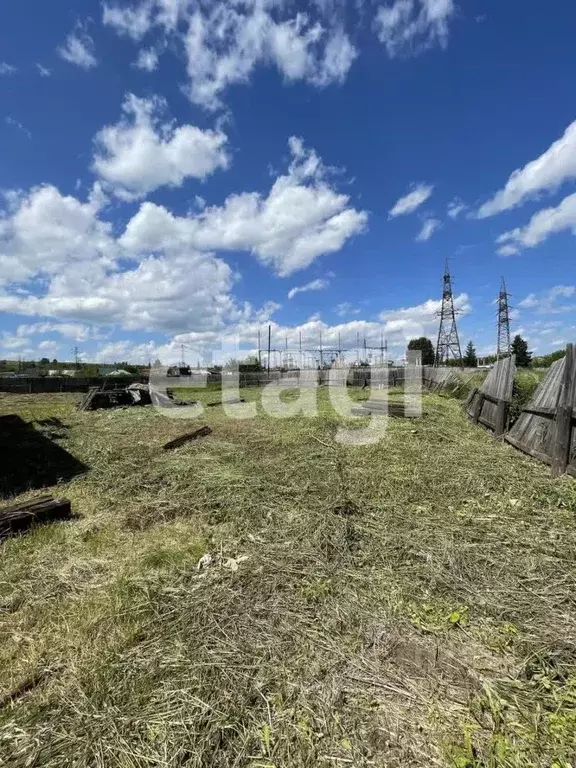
(409, 603)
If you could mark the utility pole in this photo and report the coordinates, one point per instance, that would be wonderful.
(339, 350)
(269, 341)
(358, 346)
(503, 347)
(321, 357)
(448, 344)
(182, 354)
(76, 357)
(300, 347)
(259, 352)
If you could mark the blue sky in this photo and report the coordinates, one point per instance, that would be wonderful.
(176, 172)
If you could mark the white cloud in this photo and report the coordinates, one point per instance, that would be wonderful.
(79, 49)
(545, 174)
(300, 219)
(43, 231)
(75, 331)
(411, 26)
(133, 22)
(61, 259)
(47, 346)
(225, 42)
(44, 71)
(455, 208)
(314, 285)
(546, 303)
(413, 200)
(546, 222)
(7, 69)
(420, 320)
(140, 153)
(147, 60)
(164, 293)
(346, 308)
(428, 228)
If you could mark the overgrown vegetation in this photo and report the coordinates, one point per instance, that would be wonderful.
(409, 603)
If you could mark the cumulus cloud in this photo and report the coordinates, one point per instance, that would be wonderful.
(140, 153)
(147, 60)
(411, 26)
(165, 293)
(302, 217)
(314, 285)
(413, 200)
(428, 228)
(44, 71)
(422, 315)
(397, 326)
(546, 222)
(225, 42)
(43, 231)
(545, 174)
(78, 49)
(61, 259)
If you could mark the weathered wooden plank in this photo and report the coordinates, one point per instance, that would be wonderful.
(478, 407)
(41, 510)
(178, 441)
(536, 430)
(500, 418)
(489, 405)
(561, 448)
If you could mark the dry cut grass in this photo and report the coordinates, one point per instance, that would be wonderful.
(409, 603)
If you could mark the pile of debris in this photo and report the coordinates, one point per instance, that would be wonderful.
(135, 394)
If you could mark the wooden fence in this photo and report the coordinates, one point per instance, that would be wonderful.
(546, 427)
(490, 404)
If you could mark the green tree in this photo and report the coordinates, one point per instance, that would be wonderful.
(520, 349)
(546, 360)
(470, 359)
(251, 365)
(426, 347)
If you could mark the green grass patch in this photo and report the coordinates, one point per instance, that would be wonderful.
(406, 603)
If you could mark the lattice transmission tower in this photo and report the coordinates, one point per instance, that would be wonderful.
(448, 344)
(503, 349)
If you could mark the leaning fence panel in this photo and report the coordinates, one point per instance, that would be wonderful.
(546, 427)
(489, 404)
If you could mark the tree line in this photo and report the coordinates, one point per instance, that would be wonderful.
(519, 347)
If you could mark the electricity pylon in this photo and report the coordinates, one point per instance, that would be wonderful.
(503, 348)
(448, 344)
